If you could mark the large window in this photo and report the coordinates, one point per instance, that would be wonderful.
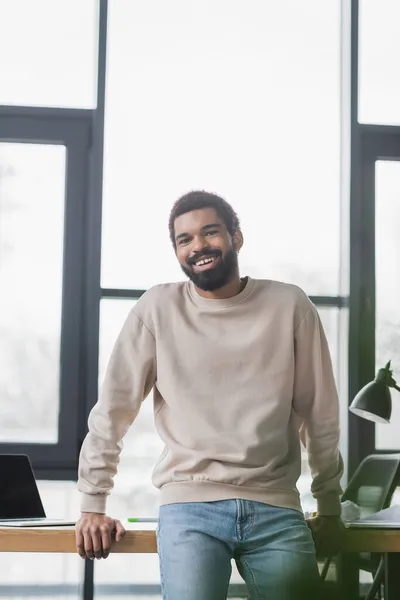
(43, 186)
(32, 182)
(379, 50)
(387, 208)
(242, 99)
(48, 52)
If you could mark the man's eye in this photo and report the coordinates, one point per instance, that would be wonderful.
(213, 232)
(183, 241)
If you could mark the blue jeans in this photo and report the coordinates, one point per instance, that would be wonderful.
(272, 547)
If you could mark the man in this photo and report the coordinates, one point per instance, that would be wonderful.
(241, 371)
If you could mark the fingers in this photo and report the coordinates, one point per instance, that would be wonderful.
(94, 535)
(105, 533)
(80, 543)
(93, 543)
(87, 543)
(120, 530)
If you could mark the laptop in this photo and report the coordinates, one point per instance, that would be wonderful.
(388, 518)
(20, 503)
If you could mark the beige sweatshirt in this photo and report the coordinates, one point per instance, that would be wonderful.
(236, 383)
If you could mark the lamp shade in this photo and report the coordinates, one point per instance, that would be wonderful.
(374, 401)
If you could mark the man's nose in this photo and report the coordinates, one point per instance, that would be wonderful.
(199, 244)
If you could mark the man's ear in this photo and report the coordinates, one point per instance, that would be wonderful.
(237, 240)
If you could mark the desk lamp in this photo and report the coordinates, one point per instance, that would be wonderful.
(374, 401)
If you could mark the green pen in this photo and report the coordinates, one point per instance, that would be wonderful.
(142, 520)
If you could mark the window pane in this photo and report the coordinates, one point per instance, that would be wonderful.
(48, 52)
(46, 575)
(32, 182)
(237, 98)
(387, 202)
(379, 50)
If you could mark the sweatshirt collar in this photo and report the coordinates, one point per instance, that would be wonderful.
(217, 304)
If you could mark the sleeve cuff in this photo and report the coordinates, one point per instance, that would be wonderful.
(329, 505)
(95, 503)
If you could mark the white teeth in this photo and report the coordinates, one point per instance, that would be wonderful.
(205, 261)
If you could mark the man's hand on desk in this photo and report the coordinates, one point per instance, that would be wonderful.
(328, 533)
(94, 533)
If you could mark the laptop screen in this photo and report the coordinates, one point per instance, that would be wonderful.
(19, 495)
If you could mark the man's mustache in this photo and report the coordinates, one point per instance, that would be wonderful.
(204, 254)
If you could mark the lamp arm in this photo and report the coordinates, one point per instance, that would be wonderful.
(385, 376)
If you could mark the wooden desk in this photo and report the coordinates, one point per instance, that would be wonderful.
(382, 541)
(62, 539)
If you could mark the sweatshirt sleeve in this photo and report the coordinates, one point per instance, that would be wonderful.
(315, 401)
(130, 376)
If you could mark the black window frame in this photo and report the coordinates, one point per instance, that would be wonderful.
(72, 129)
(368, 143)
(374, 143)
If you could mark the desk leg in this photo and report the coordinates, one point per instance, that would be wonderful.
(88, 582)
(348, 576)
(392, 576)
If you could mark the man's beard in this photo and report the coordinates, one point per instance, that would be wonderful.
(216, 278)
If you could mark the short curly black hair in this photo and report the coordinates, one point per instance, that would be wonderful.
(198, 199)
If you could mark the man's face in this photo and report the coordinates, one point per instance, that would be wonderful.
(205, 249)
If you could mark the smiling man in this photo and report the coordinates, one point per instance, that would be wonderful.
(241, 372)
(206, 254)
